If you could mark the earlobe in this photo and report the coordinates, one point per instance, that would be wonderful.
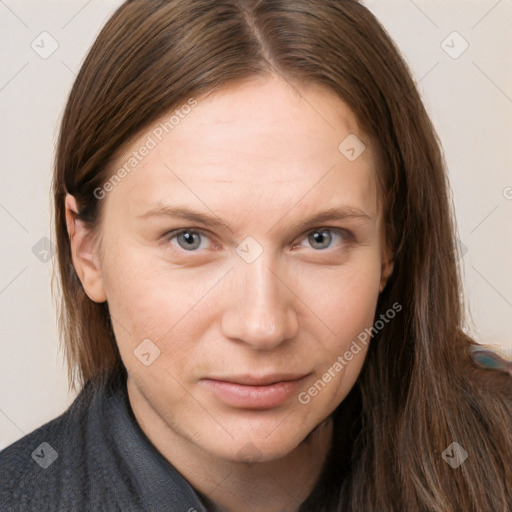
(84, 253)
(386, 271)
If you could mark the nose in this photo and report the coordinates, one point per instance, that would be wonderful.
(261, 306)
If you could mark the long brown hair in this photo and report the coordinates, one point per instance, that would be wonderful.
(419, 390)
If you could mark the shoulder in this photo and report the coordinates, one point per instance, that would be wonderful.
(28, 473)
(48, 468)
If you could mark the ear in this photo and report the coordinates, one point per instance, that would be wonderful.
(84, 253)
(386, 270)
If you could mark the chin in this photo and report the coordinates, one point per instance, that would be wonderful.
(269, 441)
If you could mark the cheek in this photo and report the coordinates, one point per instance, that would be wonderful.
(150, 300)
(346, 304)
(140, 287)
(345, 300)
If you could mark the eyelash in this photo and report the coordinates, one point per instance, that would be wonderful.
(342, 233)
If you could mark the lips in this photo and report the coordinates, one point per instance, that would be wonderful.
(254, 392)
(248, 380)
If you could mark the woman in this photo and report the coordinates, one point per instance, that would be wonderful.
(260, 296)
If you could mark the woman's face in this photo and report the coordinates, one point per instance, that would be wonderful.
(211, 321)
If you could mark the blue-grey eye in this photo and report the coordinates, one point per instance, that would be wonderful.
(320, 239)
(188, 239)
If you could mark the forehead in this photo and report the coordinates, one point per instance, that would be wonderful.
(260, 143)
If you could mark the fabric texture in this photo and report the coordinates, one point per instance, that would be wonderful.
(94, 457)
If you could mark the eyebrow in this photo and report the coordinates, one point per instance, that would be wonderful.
(185, 212)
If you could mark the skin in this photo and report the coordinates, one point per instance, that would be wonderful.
(263, 157)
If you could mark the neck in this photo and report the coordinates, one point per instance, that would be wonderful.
(275, 486)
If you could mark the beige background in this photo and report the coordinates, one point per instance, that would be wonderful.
(469, 98)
